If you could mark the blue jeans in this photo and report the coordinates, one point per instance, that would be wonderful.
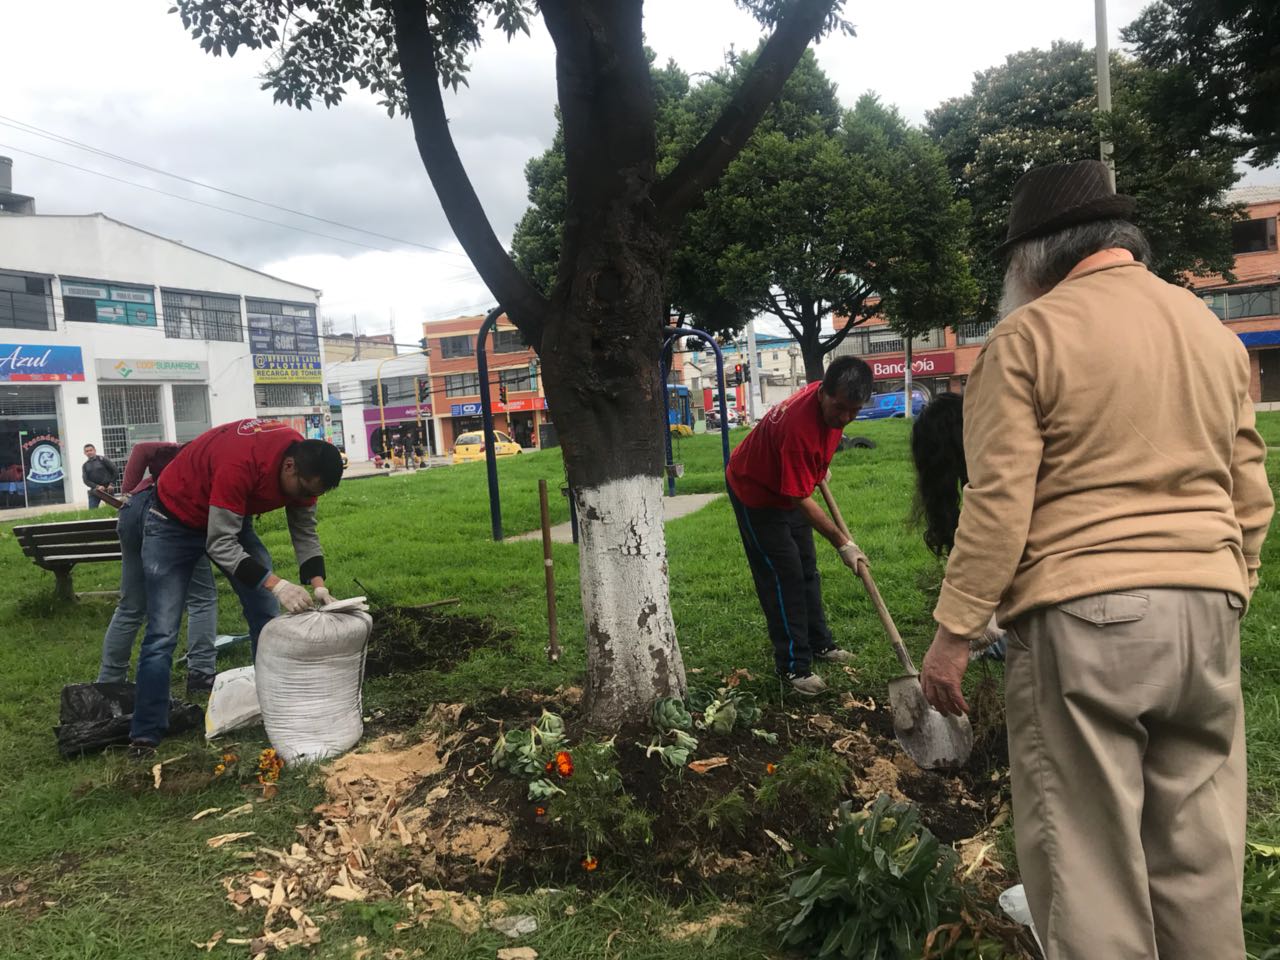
(202, 603)
(170, 551)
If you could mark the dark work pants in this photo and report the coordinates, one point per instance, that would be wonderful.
(784, 565)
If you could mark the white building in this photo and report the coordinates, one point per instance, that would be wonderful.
(111, 335)
(406, 397)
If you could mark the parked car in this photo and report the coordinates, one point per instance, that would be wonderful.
(469, 447)
(884, 405)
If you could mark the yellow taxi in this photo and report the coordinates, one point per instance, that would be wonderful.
(469, 447)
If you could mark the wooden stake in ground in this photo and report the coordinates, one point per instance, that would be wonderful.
(548, 564)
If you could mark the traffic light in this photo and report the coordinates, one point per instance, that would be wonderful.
(502, 393)
(424, 347)
(737, 374)
(424, 389)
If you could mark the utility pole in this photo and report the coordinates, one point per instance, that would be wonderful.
(1104, 81)
(751, 371)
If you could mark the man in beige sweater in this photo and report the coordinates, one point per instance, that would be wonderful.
(1113, 520)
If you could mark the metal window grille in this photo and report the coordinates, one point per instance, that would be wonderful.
(130, 414)
(975, 331)
(28, 402)
(518, 379)
(201, 316)
(275, 395)
(462, 385)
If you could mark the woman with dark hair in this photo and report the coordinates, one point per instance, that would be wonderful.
(937, 449)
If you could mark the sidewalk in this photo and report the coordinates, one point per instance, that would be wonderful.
(673, 508)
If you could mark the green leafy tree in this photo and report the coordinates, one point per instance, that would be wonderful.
(1039, 107)
(598, 329)
(1219, 69)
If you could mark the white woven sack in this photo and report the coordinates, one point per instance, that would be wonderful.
(309, 670)
(233, 702)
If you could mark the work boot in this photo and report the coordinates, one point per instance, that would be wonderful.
(141, 750)
(198, 682)
(834, 655)
(806, 684)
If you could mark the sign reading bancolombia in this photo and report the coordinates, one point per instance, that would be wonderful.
(286, 368)
(143, 368)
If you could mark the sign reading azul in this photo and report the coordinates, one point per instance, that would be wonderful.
(927, 365)
(151, 369)
(286, 368)
(20, 362)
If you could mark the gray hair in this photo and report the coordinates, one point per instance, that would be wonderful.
(1041, 263)
(848, 378)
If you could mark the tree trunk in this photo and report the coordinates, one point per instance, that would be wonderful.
(811, 342)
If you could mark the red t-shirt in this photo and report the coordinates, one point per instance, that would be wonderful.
(235, 466)
(786, 454)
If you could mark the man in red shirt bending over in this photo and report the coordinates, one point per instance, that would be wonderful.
(204, 503)
(772, 475)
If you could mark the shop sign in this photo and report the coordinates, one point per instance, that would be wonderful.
(927, 365)
(143, 368)
(24, 362)
(511, 406)
(398, 412)
(120, 305)
(286, 368)
(44, 459)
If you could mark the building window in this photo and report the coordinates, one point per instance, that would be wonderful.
(201, 316)
(93, 301)
(190, 411)
(451, 347)
(130, 414)
(25, 302)
(508, 341)
(396, 391)
(275, 395)
(1240, 305)
(1253, 236)
(518, 379)
(462, 385)
(974, 332)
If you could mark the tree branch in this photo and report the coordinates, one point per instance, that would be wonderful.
(838, 336)
(526, 307)
(702, 167)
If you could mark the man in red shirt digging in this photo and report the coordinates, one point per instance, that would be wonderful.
(204, 503)
(772, 475)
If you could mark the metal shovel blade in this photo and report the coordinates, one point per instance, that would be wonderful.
(930, 739)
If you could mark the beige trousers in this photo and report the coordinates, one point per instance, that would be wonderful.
(1126, 738)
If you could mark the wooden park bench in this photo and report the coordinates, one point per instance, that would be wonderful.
(60, 546)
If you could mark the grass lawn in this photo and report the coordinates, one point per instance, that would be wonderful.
(128, 872)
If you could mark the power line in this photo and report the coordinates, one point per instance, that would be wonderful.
(28, 128)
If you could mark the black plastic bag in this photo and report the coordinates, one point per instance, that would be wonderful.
(97, 715)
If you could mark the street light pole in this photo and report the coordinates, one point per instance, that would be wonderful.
(1104, 82)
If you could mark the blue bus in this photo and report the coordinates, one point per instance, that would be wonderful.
(679, 411)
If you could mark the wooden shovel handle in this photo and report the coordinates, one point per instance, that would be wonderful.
(864, 574)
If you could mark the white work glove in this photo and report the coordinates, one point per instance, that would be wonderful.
(851, 555)
(293, 598)
(323, 596)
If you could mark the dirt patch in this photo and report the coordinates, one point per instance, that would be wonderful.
(408, 639)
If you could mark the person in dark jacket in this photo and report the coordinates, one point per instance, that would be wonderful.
(97, 471)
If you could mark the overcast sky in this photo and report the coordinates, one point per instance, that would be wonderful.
(124, 77)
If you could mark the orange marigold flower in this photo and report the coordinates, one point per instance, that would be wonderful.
(564, 764)
(219, 770)
(550, 767)
(771, 768)
(540, 811)
(589, 863)
(229, 758)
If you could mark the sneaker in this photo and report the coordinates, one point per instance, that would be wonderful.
(834, 655)
(141, 750)
(807, 684)
(198, 682)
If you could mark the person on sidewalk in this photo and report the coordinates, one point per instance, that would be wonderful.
(205, 502)
(1114, 519)
(145, 464)
(98, 471)
(771, 478)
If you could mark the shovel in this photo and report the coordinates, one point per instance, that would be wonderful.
(929, 738)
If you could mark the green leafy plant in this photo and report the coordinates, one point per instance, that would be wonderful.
(594, 808)
(724, 709)
(1261, 903)
(675, 754)
(379, 918)
(808, 777)
(669, 714)
(729, 812)
(528, 750)
(875, 891)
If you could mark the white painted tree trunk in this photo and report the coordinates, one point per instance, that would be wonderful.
(632, 654)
